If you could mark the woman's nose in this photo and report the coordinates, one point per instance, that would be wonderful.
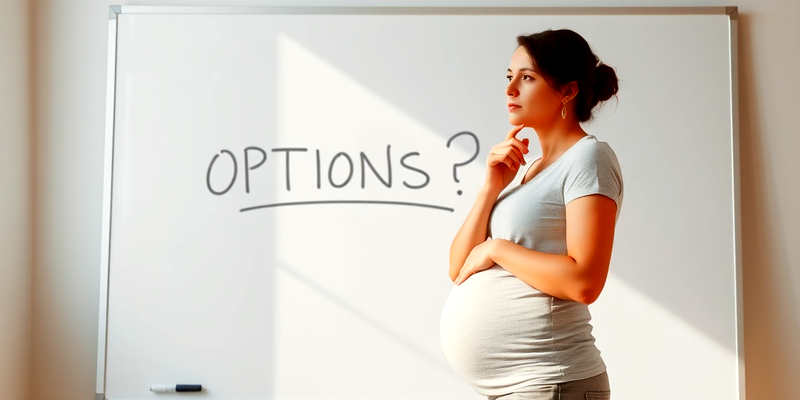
(511, 89)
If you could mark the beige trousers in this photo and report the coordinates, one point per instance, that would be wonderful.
(594, 388)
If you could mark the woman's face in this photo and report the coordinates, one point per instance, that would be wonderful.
(531, 101)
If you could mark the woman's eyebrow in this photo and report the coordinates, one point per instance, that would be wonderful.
(524, 69)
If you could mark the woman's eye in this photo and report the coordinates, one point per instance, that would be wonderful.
(508, 77)
(526, 77)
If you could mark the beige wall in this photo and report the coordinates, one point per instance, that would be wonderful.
(69, 104)
(15, 209)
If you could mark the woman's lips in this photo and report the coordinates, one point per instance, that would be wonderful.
(512, 107)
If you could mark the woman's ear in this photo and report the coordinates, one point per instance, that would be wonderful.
(570, 90)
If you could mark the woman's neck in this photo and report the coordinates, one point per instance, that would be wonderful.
(558, 139)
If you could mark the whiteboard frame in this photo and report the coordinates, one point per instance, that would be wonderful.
(108, 162)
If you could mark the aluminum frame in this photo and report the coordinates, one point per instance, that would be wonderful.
(108, 163)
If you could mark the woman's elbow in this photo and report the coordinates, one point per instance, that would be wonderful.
(589, 291)
(588, 296)
(589, 282)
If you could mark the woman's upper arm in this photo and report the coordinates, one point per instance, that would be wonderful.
(591, 222)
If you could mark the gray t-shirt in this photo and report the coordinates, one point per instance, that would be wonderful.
(501, 334)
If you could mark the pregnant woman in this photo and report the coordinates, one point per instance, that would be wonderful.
(531, 257)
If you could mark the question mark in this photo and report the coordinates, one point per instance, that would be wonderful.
(477, 150)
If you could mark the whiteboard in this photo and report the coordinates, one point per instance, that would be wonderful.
(282, 186)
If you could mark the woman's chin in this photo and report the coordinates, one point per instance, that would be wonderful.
(514, 120)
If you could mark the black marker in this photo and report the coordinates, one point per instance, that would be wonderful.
(175, 388)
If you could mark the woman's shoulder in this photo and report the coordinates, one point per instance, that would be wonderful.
(593, 150)
(594, 169)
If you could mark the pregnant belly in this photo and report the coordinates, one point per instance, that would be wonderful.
(494, 322)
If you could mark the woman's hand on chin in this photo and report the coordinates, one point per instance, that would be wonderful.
(505, 159)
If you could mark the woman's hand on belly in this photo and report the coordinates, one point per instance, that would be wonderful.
(478, 260)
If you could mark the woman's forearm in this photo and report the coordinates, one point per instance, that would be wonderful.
(473, 231)
(558, 275)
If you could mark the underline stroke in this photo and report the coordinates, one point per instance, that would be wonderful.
(381, 202)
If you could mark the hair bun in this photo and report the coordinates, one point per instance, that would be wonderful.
(563, 56)
(605, 84)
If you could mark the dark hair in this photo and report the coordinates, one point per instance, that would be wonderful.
(563, 56)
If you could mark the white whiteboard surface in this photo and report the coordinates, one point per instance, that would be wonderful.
(289, 278)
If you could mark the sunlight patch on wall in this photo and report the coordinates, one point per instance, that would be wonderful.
(630, 330)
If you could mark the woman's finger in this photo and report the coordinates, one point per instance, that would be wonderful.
(515, 144)
(496, 159)
(520, 145)
(512, 164)
(511, 145)
(513, 132)
(462, 277)
(509, 152)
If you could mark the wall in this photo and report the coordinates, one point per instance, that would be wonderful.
(69, 105)
(15, 196)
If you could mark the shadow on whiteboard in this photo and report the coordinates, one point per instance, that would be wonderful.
(677, 281)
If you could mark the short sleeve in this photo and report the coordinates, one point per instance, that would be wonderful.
(594, 171)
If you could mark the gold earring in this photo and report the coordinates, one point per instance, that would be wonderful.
(564, 110)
